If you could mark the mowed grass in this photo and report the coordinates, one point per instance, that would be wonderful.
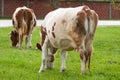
(24, 64)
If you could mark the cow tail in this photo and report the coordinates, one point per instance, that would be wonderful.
(92, 23)
(89, 37)
(43, 34)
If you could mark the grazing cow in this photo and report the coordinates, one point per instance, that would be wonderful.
(68, 29)
(24, 20)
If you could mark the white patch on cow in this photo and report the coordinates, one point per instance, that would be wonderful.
(91, 25)
(69, 17)
(86, 25)
(14, 18)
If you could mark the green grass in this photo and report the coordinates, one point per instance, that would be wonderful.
(16, 64)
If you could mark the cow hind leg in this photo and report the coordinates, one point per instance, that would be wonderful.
(28, 41)
(89, 50)
(63, 58)
(20, 41)
(84, 58)
(89, 58)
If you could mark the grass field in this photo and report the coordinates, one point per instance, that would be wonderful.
(16, 64)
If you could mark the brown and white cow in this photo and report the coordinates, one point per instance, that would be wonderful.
(24, 20)
(68, 29)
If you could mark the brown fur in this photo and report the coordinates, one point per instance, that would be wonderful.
(80, 25)
(52, 56)
(79, 31)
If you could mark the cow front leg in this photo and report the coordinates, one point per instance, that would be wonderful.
(44, 55)
(63, 58)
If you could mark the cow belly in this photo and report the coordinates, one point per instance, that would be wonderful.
(64, 44)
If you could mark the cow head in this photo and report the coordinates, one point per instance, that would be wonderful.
(14, 36)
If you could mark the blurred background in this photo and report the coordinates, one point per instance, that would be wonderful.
(106, 9)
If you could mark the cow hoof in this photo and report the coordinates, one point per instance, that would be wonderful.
(19, 48)
(50, 65)
(83, 72)
(41, 71)
(62, 70)
(30, 46)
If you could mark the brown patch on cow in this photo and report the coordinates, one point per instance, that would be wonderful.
(53, 26)
(43, 32)
(51, 58)
(19, 17)
(79, 32)
(53, 34)
(28, 19)
(54, 50)
(26, 15)
(80, 29)
(14, 36)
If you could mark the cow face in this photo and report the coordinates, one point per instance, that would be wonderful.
(14, 36)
